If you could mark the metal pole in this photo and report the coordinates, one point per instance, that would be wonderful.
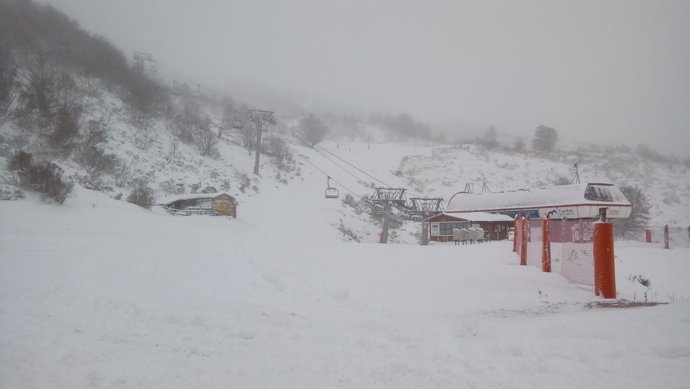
(259, 118)
(258, 146)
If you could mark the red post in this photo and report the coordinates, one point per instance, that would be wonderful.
(546, 245)
(604, 266)
(515, 230)
(523, 241)
(648, 236)
(666, 237)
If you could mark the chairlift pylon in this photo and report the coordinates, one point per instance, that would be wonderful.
(331, 192)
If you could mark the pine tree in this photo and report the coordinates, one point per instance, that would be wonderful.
(545, 139)
(639, 216)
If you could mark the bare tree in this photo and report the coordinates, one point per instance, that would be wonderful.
(312, 130)
(206, 142)
(38, 92)
(65, 129)
(7, 74)
(280, 151)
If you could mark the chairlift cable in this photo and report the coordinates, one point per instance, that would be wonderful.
(376, 179)
(324, 149)
(338, 165)
(332, 179)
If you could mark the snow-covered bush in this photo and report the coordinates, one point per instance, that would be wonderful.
(281, 153)
(142, 196)
(206, 142)
(40, 176)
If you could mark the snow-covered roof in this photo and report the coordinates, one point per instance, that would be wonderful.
(188, 196)
(538, 197)
(478, 216)
(482, 217)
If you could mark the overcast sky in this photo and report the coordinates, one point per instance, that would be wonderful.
(614, 71)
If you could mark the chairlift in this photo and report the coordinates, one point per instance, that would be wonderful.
(237, 123)
(331, 192)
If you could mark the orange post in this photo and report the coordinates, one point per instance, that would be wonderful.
(523, 241)
(546, 245)
(604, 266)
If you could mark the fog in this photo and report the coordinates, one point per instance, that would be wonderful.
(615, 72)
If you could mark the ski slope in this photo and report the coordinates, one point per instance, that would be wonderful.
(101, 293)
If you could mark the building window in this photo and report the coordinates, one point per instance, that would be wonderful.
(446, 228)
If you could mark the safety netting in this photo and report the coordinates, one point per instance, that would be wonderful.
(570, 247)
(535, 242)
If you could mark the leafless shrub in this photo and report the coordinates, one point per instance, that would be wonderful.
(123, 175)
(91, 153)
(97, 161)
(280, 151)
(142, 196)
(140, 120)
(206, 142)
(40, 176)
(65, 129)
(143, 141)
(348, 234)
(174, 152)
(244, 182)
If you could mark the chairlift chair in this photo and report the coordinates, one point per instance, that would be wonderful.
(331, 192)
(237, 121)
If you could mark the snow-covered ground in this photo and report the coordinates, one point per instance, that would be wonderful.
(297, 292)
(101, 293)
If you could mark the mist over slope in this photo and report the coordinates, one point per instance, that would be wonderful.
(72, 99)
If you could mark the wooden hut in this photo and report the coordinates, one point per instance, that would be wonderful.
(224, 204)
(441, 226)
